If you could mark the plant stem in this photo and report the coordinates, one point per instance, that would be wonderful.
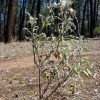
(59, 84)
(40, 97)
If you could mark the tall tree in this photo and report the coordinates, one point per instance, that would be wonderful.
(0, 15)
(15, 17)
(38, 12)
(8, 32)
(91, 18)
(97, 10)
(5, 10)
(94, 13)
(22, 19)
(0, 22)
(32, 8)
(83, 19)
(88, 19)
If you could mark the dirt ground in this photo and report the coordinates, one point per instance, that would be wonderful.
(18, 73)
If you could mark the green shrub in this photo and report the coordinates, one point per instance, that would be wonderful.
(58, 60)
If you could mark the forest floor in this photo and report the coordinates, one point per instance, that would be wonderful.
(17, 70)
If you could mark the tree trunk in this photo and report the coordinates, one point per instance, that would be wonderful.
(5, 15)
(38, 8)
(91, 18)
(22, 18)
(37, 14)
(83, 20)
(97, 8)
(0, 22)
(94, 15)
(15, 17)
(0, 14)
(32, 9)
(14, 25)
(8, 32)
(88, 19)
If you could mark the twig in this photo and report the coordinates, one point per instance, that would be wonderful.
(59, 84)
(49, 81)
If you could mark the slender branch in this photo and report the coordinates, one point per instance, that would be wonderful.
(59, 84)
(34, 57)
(59, 40)
(39, 67)
(47, 57)
(40, 96)
(49, 82)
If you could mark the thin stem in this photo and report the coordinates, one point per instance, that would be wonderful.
(47, 57)
(49, 82)
(59, 40)
(40, 97)
(59, 84)
(39, 67)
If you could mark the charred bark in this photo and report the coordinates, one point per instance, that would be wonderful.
(32, 9)
(8, 32)
(83, 19)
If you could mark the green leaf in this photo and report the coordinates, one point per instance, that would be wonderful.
(75, 71)
(42, 36)
(72, 37)
(65, 57)
(54, 38)
(89, 72)
(85, 72)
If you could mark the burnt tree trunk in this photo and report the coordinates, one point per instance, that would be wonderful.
(0, 14)
(8, 32)
(88, 19)
(32, 9)
(5, 15)
(91, 18)
(0, 22)
(22, 18)
(94, 15)
(37, 14)
(15, 18)
(14, 25)
(97, 8)
(83, 20)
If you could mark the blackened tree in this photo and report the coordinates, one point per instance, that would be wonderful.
(8, 32)
(22, 19)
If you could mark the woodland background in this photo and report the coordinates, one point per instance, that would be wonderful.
(14, 17)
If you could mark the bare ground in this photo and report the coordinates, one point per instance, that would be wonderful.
(17, 70)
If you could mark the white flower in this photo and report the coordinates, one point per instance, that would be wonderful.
(71, 10)
(63, 3)
(55, 3)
